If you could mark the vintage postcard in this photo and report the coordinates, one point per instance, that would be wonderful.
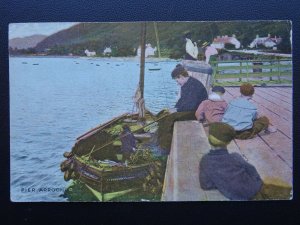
(151, 111)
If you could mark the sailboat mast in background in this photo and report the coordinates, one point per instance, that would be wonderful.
(141, 102)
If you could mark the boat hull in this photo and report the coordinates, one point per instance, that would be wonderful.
(109, 179)
(113, 180)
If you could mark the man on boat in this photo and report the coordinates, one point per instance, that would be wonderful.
(128, 142)
(192, 93)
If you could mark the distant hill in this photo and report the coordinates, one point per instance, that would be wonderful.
(26, 42)
(123, 38)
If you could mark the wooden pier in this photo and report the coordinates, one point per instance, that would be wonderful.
(271, 154)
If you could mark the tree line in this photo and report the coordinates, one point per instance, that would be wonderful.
(123, 38)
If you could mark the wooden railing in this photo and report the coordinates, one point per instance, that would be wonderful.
(249, 70)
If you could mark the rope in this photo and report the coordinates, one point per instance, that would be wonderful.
(91, 151)
(165, 93)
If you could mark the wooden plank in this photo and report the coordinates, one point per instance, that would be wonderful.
(281, 90)
(281, 145)
(279, 117)
(266, 94)
(287, 90)
(279, 96)
(268, 106)
(231, 93)
(276, 101)
(281, 141)
(281, 112)
(282, 125)
(189, 144)
(265, 161)
(264, 157)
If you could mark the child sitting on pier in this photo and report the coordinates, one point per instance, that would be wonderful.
(212, 109)
(235, 178)
(242, 115)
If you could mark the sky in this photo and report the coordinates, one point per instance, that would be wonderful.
(28, 29)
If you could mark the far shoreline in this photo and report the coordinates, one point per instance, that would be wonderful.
(128, 58)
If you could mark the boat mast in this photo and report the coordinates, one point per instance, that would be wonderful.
(157, 39)
(142, 71)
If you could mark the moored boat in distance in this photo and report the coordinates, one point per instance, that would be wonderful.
(153, 69)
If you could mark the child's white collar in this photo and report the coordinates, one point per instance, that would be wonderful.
(215, 97)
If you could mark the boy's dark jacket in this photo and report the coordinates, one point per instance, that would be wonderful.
(230, 174)
(193, 93)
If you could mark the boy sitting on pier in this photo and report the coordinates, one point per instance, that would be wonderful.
(242, 115)
(235, 178)
(212, 109)
(192, 93)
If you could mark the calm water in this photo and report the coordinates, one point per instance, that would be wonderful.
(54, 100)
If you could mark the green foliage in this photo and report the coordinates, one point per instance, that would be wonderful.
(124, 38)
(78, 192)
(141, 156)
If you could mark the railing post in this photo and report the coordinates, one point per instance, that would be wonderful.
(215, 72)
(240, 78)
(247, 73)
(279, 70)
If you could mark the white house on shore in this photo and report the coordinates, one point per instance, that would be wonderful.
(107, 51)
(268, 42)
(89, 54)
(219, 42)
(149, 51)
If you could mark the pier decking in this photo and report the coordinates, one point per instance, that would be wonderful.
(271, 154)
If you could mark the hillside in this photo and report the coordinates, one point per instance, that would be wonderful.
(124, 37)
(26, 42)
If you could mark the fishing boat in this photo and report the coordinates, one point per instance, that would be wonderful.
(95, 159)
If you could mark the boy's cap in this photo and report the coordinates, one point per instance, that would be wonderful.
(247, 89)
(221, 133)
(219, 89)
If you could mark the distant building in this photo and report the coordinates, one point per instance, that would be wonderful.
(268, 42)
(89, 54)
(107, 51)
(149, 51)
(219, 42)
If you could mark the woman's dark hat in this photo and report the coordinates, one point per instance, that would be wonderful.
(219, 89)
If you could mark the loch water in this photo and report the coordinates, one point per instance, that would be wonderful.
(53, 100)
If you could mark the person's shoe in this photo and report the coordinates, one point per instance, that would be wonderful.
(271, 129)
